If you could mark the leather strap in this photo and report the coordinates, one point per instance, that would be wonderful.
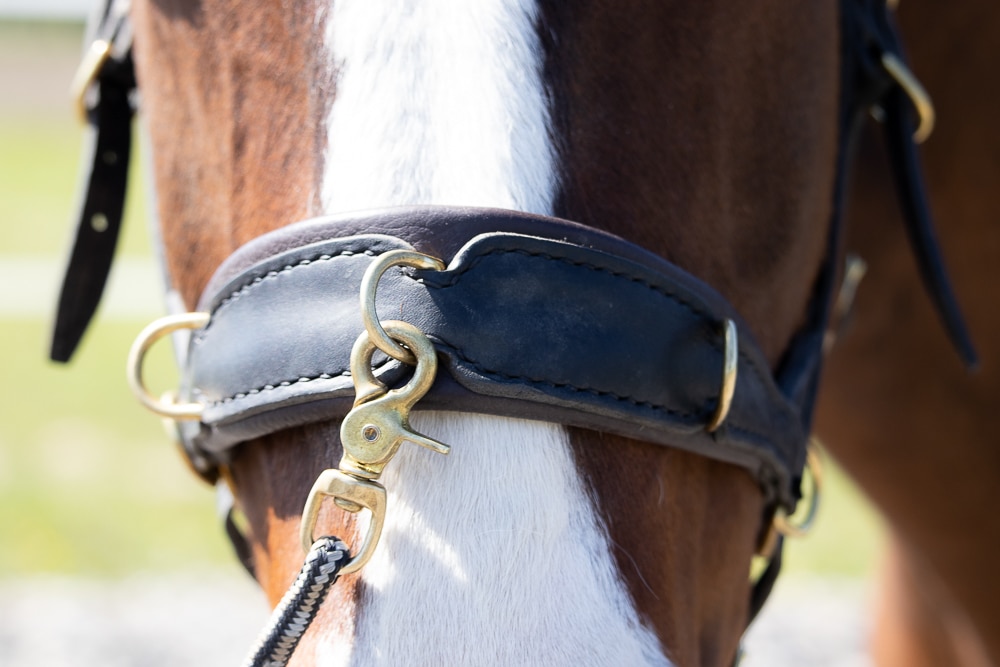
(107, 153)
(577, 327)
(869, 33)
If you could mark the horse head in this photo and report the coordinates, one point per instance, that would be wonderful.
(691, 144)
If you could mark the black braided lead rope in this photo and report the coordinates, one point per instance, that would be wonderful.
(292, 616)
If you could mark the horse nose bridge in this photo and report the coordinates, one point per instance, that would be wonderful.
(453, 110)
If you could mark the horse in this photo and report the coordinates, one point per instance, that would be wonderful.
(714, 138)
(897, 410)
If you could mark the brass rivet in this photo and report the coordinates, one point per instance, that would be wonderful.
(370, 433)
(99, 222)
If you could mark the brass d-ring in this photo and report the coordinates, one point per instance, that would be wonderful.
(369, 284)
(814, 467)
(918, 95)
(729, 366)
(137, 354)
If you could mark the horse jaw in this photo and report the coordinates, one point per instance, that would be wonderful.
(496, 554)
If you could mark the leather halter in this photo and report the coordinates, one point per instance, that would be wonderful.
(534, 317)
(657, 382)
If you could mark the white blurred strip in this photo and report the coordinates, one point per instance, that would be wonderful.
(29, 288)
(45, 9)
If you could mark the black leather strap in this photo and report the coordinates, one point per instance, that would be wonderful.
(572, 332)
(869, 33)
(108, 148)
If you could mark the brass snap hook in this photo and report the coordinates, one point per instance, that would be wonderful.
(371, 434)
(380, 420)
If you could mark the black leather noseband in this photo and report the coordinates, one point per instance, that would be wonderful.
(535, 317)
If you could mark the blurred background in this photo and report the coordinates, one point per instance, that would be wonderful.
(110, 550)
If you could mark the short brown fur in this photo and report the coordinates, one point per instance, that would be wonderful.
(704, 131)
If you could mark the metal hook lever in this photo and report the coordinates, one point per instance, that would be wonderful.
(372, 432)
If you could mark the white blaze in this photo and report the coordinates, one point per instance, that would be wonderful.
(494, 554)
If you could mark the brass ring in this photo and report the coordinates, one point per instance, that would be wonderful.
(729, 366)
(137, 354)
(814, 466)
(918, 95)
(369, 284)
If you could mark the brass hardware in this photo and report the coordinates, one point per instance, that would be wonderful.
(919, 98)
(369, 284)
(768, 542)
(137, 354)
(855, 269)
(86, 73)
(359, 494)
(782, 522)
(379, 422)
(729, 366)
(371, 434)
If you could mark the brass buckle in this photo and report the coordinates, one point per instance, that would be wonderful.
(91, 64)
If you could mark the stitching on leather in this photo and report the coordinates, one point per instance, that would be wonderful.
(244, 289)
(700, 416)
(614, 274)
(556, 385)
(271, 387)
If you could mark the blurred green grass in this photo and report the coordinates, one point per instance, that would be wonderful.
(89, 482)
